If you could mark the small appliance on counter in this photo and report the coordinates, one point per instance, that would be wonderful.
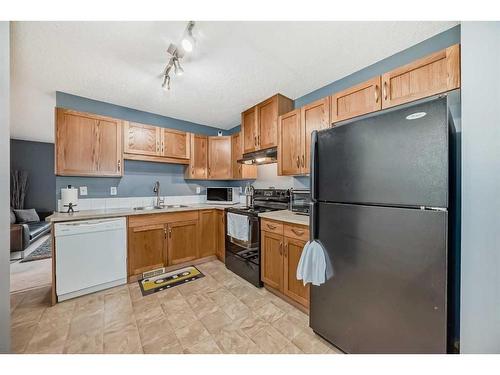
(249, 193)
(223, 195)
(300, 201)
(69, 199)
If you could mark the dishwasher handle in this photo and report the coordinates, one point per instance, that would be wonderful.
(80, 227)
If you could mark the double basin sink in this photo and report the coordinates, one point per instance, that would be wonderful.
(150, 208)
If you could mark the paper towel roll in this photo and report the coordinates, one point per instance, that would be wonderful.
(69, 195)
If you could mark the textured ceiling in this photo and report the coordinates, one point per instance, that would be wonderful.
(234, 65)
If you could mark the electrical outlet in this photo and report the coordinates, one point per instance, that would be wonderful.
(113, 190)
(198, 190)
(83, 190)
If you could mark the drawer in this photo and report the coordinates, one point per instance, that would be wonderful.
(271, 226)
(298, 232)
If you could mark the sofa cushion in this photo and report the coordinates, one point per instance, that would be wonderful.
(26, 216)
(12, 217)
(37, 229)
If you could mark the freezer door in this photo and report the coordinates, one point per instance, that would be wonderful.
(388, 292)
(386, 159)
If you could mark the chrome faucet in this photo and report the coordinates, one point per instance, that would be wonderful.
(156, 189)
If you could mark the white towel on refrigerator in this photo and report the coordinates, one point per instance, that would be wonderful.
(312, 267)
(237, 226)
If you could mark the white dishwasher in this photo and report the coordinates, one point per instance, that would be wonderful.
(90, 256)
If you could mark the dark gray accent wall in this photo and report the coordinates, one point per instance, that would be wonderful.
(36, 158)
(139, 176)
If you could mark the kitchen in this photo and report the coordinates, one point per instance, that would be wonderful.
(169, 236)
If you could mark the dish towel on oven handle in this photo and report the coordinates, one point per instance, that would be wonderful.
(237, 226)
(314, 266)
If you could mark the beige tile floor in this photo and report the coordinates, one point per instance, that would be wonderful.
(220, 313)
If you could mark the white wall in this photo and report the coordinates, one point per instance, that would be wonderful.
(268, 177)
(480, 281)
(4, 189)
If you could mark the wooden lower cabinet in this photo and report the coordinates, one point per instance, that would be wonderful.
(209, 233)
(221, 235)
(281, 248)
(146, 248)
(272, 259)
(182, 242)
(292, 287)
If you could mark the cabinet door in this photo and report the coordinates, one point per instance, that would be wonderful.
(314, 116)
(433, 74)
(292, 287)
(267, 113)
(356, 101)
(219, 158)
(146, 248)
(290, 144)
(272, 259)
(198, 161)
(221, 235)
(182, 241)
(87, 144)
(208, 233)
(240, 171)
(109, 148)
(142, 139)
(175, 144)
(249, 129)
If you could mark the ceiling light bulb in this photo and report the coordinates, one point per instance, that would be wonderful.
(187, 44)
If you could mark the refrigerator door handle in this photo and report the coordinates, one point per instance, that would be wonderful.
(313, 166)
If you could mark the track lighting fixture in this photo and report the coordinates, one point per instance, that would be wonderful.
(177, 54)
(188, 40)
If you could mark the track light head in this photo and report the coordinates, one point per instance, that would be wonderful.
(188, 40)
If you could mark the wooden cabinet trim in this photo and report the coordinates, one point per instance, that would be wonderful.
(288, 273)
(271, 226)
(266, 253)
(290, 146)
(294, 231)
(161, 218)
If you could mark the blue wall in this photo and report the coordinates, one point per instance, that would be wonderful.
(139, 177)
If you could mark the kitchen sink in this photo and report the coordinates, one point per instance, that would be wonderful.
(150, 208)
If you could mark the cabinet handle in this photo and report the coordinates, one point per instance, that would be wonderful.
(192, 170)
(165, 231)
(169, 232)
(258, 140)
(376, 93)
(286, 249)
(303, 162)
(385, 90)
(298, 161)
(209, 172)
(271, 226)
(297, 232)
(281, 248)
(162, 147)
(119, 165)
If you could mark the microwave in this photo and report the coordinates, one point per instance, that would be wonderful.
(299, 201)
(223, 195)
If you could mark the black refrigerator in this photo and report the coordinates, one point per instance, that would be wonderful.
(380, 207)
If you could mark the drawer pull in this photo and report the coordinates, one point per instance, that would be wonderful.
(271, 226)
(298, 232)
(281, 248)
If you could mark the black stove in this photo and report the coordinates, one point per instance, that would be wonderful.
(243, 257)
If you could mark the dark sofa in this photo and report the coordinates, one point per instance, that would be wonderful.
(22, 235)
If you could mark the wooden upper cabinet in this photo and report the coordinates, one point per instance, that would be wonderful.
(240, 171)
(313, 116)
(146, 248)
(356, 101)
(198, 161)
(142, 139)
(292, 287)
(87, 144)
(182, 241)
(219, 158)
(267, 114)
(290, 144)
(433, 74)
(272, 259)
(208, 232)
(175, 144)
(249, 129)
(259, 124)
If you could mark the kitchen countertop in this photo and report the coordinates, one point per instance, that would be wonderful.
(118, 212)
(286, 216)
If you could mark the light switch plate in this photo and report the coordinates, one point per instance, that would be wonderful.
(198, 190)
(113, 190)
(83, 190)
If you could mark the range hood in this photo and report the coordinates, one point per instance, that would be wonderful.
(267, 156)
